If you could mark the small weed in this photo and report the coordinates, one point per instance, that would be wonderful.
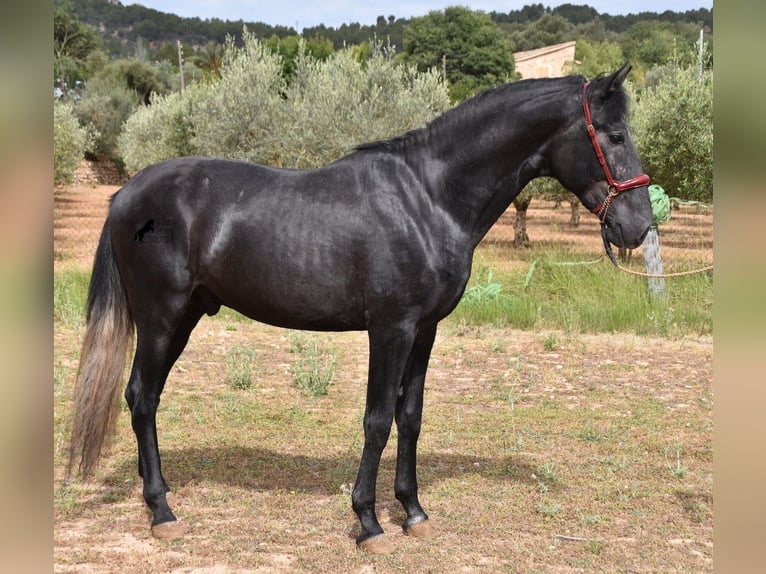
(548, 472)
(590, 433)
(498, 346)
(60, 374)
(240, 361)
(66, 499)
(549, 508)
(677, 470)
(550, 342)
(591, 520)
(314, 368)
(594, 547)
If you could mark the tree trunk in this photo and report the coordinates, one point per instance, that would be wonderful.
(520, 236)
(574, 221)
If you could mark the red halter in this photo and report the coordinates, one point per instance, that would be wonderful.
(615, 187)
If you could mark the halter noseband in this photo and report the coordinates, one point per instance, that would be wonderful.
(615, 187)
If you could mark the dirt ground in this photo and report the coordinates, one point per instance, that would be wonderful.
(540, 452)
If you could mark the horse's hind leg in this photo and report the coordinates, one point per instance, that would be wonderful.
(157, 348)
(389, 349)
(409, 410)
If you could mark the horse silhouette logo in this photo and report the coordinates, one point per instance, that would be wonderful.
(148, 226)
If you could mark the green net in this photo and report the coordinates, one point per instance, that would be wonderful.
(660, 204)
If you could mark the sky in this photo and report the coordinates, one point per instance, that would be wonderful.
(301, 14)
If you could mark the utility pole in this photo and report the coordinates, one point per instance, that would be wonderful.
(180, 64)
(699, 70)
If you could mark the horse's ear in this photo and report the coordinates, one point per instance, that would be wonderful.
(616, 79)
(605, 86)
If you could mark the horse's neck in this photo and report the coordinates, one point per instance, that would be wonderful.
(489, 158)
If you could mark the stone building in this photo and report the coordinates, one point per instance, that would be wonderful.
(546, 62)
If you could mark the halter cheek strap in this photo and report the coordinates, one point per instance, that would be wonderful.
(615, 187)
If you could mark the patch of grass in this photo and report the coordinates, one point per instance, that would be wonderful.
(231, 316)
(314, 367)
(591, 433)
(486, 302)
(240, 362)
(70, 294)
(595, 298)
(66, 499)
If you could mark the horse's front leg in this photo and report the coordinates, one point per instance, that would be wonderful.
(389, 350)
(409, 411)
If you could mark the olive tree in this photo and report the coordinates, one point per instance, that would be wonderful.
(672, 123)
(335, 104)
(70, 142)
(252, 113)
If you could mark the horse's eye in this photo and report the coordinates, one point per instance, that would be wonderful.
(617, 138)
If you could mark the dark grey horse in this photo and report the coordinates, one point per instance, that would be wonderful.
(380, 240)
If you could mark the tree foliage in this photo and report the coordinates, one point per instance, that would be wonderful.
(253, 113)
(70, 142)
(550, 29)
(73, 42)
(652, 43)
(112, 94)
(673, 126)
(477, 55)
(342, 102)
(594, 58)
(133, 65)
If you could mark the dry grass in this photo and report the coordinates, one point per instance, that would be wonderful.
(604, 439)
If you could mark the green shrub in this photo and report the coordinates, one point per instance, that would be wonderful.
(314, 367)
(159, 131)
(240, 361)
(251, 113)
(105, 105)
(673, 126)
(70, 142)
(236, 117)
(334, 104)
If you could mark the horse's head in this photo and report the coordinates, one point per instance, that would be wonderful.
(596, 159)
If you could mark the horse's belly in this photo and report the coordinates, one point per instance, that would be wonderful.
(315, 318)
(324, 303)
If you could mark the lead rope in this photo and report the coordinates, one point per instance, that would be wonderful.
(613, 259)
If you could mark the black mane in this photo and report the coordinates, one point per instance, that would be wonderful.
(509, 91)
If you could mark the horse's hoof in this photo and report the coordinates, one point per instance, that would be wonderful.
(172, 530)
(422, 529)
(379, 544)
